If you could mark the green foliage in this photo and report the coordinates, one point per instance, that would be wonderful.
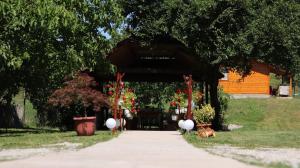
(42, 41)
(209, 28)
(30, 119)
(275, 81)
(160, 95)
(224, 99)
(273, 33)
(204, 115)
(154, 94)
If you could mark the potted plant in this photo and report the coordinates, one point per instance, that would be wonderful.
(80, 96)
(204, 116)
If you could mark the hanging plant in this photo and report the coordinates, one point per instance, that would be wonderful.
(127, 97)
(179, 99)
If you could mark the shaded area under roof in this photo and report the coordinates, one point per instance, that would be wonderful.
(163, 60)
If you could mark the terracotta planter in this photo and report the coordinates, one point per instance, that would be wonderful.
(85, 126)
(203, 126)
(205, 131)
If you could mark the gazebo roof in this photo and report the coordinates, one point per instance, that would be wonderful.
(164, 60)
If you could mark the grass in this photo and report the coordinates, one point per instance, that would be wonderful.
(266, 123)
(30, 112)
(34, 138)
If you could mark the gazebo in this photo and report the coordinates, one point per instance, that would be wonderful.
(164, 59)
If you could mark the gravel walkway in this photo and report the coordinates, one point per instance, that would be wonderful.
(132, 149)
(12, 154)
(288, 156)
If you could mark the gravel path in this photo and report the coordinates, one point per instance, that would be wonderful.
(132, 149)
(287, 156)
(12, 154)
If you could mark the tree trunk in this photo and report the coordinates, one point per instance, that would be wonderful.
(206, 92)
(215, 103)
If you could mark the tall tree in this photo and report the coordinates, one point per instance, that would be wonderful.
(41, 41)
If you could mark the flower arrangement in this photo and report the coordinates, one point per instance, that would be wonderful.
(204, 115)
(127, 97)
(179, 98)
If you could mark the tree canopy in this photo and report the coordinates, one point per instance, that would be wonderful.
(227, 32)
(223, 32)
(44, 40)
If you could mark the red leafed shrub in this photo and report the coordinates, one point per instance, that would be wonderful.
(79, 94)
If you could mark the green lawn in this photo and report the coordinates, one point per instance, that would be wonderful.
(34, 138)
(30, 112)
(266, 123)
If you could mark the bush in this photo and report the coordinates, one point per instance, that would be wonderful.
(224, 99)
(204, 115)
(78, 97)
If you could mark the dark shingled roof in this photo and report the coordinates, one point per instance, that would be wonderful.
(164, 59)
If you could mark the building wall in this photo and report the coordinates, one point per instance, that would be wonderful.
(258, 82)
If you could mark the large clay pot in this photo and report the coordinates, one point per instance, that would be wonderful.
(205, 131)
(203, 126)
(85, 126)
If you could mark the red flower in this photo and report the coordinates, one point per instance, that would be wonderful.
(186, 91)
(110, 93)
(178, 91)
(173, 104)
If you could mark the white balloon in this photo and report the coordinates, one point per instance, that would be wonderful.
(188, 125)
(110, 123)
(181, 124)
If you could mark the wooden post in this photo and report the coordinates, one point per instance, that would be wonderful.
(189, 82)
(117, 96)
(120, 118)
